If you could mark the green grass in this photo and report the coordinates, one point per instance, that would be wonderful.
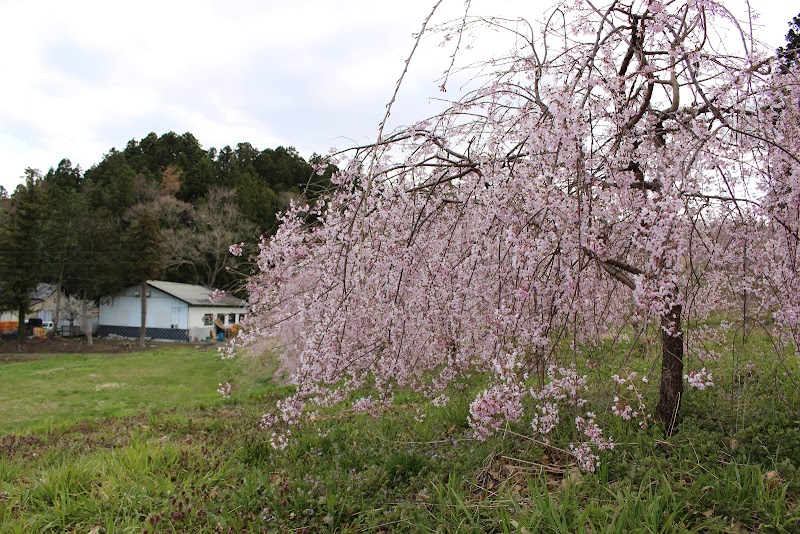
(66, 388)
(176, 457)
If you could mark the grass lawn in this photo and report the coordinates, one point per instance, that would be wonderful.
(56, 389)
(161, 451)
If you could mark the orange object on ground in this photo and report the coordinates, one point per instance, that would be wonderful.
(7, 327)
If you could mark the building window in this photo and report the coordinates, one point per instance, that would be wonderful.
(208, 319)
(231, 318)
(241, 317)
(221, 318)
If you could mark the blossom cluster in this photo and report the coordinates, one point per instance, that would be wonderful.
(501, 402)
(495, 406)
(701, 379)
(366, 405)
(584, 454)
(225, 390)
(631, 405)
(236, 249)
(565, 391)
(288, 413)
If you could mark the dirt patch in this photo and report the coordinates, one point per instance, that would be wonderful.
(12, 350)
(108, 385)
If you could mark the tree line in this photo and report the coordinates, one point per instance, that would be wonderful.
(163, 207)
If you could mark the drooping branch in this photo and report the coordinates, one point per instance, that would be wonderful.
(618, 270)
(474, 241)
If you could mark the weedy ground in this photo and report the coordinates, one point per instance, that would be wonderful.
(163, 452)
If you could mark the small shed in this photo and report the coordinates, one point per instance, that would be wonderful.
(175, 312)
(43, 306)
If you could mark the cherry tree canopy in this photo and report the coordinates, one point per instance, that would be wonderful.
(627, 164)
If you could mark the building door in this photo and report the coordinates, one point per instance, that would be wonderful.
(176, 317)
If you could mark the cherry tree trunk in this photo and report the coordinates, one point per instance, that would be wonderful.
(671, 391)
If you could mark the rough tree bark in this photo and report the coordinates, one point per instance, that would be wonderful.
(671, 391)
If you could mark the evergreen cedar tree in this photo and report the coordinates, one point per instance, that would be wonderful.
(621, 167)
(23, 254)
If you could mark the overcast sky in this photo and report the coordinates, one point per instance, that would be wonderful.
(83, 76)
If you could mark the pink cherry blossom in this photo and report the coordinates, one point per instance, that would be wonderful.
(701, 379)
(612, 182)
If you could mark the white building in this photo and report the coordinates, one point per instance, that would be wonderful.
(178, 312)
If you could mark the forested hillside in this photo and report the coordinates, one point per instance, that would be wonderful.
(162, 207)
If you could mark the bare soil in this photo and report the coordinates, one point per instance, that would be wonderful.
(12, 350)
